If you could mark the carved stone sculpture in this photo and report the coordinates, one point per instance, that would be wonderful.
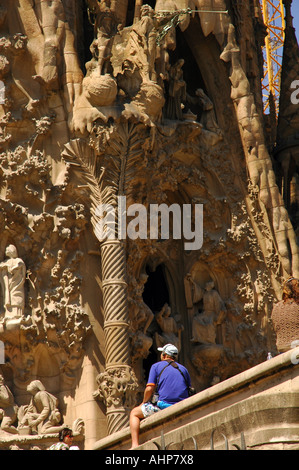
(117, 388)
(193, 291)
(258, 160)
(206, 324)
(170, 328)
(207, 118)
(96, 108)
(141, 317)
(105, 27)
(12, 276)
(42, 415)
(8, 408)
(141, 46)
(176, 92)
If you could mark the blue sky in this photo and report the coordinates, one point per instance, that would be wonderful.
(295, 14)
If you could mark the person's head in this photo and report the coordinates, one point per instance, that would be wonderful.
(146, 10)
(35, 386)
(291, 289)
(209, 285)
(66, 436)
(11, 251)
(169, 351)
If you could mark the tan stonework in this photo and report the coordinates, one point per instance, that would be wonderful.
(109, 99)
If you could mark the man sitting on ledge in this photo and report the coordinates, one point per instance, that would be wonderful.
(171, 381)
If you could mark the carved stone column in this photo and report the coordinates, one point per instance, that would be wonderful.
(115, 303)
(118, 382)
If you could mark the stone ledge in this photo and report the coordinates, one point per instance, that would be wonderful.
(269, 377)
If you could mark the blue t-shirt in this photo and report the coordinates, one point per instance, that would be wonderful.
(172, 386)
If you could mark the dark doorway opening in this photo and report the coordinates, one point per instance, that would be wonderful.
(155, 295)
(192, 74)
(85, 35)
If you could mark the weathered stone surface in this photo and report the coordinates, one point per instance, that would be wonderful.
(110, 101)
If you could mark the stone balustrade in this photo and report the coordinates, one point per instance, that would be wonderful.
(261, 403)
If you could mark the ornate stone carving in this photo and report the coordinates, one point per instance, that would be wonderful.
(117, 388)
(42, 415)
(38, 421)
(176, 92)
(171, 329)
(106, 106)
(46, 230)
(258, 160)
(206, 326)
(8, 408)
(12, 279)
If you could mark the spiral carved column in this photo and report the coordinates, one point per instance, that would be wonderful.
(118, 383)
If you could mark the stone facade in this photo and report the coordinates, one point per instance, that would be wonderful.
(106, 105)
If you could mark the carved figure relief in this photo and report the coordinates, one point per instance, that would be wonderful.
(8, 408)
(103, 109)
(206, 326)
(170, 328)
(193, 291)
(41, 416)
(13, 272)
(176, 92)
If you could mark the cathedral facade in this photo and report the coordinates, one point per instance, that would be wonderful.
(145, 199)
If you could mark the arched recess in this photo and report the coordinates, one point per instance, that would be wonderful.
(210, 72)
(155, 295)
(156, 292)
(164, 285)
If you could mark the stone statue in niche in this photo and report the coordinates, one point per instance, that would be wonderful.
(206, 326)
(141, 47)
(57, 33)
(141, 342)
(204, 108)
(42, 415)
(171, 329)
(99, 88)
(12, 279)
(193, 291)
(141, 318)
(8, 408)
(105, 28)
(176, 96)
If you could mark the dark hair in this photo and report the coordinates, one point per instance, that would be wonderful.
(291, 289)
(65, 432)
(173, 356)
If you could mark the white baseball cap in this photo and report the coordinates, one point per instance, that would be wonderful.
(169, 349)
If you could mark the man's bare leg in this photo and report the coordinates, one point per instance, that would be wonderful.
(135, 417)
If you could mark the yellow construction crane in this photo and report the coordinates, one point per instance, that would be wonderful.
(273, 16)
(274, 19)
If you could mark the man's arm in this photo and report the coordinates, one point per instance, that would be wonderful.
(149, 390)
